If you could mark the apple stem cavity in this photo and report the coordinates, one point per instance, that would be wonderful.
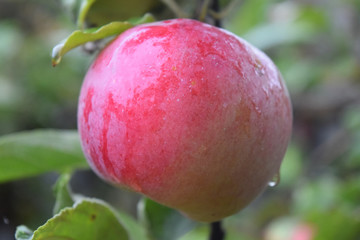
(216, 232)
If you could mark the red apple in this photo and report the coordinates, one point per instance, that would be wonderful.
(187, 114)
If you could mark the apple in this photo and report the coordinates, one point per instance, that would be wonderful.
(186, 114)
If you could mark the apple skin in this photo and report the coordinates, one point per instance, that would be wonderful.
(187, 114)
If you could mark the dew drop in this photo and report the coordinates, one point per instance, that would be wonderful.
(257, 109)
(275, 180)
(259, 71)
(259, 68)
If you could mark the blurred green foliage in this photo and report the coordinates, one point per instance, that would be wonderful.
(316, 45)
(32, 153)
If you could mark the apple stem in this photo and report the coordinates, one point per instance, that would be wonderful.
(175, 8)
(208, 10)
(203, 11)
(225, 11)
(216, 8)
(217, 233)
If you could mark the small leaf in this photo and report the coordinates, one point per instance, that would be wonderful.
(79, 37)
(89, 219)
(23, 233)
(35, 152)
(62, 193)
(163, 223)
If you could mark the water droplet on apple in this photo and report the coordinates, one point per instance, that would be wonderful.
(257, 109)
(259, 71)
(275, 180)
(259, 68)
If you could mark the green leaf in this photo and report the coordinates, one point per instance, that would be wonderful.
(89, 219)
(35, 152)
(335, 224)
(163, 223)
(251, 13)
(350, 191)
(134, 229)
(317, 195)
(291, 167)
(274, 34)
(23, 233)
(200, 233)
(62, 193)
(79, 37)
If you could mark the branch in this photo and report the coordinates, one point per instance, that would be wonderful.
(204, 10)
(217, 233)
(225, 12)
(216, 8)
(175, 8)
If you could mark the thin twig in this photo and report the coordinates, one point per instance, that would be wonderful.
(175, 8)
(216, 233)
(204, 10)
(215, 6)
(226, 11)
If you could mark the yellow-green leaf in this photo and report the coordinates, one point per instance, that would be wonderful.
(89, 219)
(80, 37)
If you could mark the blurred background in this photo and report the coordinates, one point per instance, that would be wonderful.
(315, 44)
